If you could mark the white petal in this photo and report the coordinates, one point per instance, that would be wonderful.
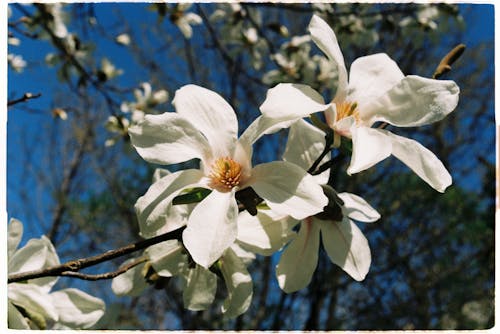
(211, 228)
(371, 77)
(32, 297)
(263, 234)
(131, 282)
(15, 233)
(421, 160)
(347, 247)
(210, 114)
(291, 102)
(168, 258)
(288, 189)
(262, 125)
(200, 289)
(168, 139)
(369, 146)
(15, 319)
(35, 255)
(77, 309)
(245, 255)
(238, 283)
(299, 259)
(305, 144)
(153, 207)
(184, 27)
(414, 101)
(358, 209)
(325, 39)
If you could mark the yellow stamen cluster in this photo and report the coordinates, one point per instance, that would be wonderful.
(225, 174)
(346, 109)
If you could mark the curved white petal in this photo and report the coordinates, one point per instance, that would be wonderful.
(263, 234)
(32, 297)
(371, 77)
(288, 189)
(347, 247)
(421, 160)
(210, 114)
(414, 101)
(305, 144)
(245, 255)
(299, 259)
(15, 233)
(325, 39)
(15, 319)
(358, 209)
(262, 125)
(35, 255)
(369, 146)
(199, 292)
(288, 101)
(77, 309)
(167, 258)
(238, 283)
(167, 139)
(211, 227)
(154, 206)
(131, 282)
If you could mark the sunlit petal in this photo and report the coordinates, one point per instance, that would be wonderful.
(167, 139)
(288, 189)
(325, 39)
(414, 101)
(358, 209)
(77, 309)
(299, 259)
(421, 160)
(347, 247)
(369, 146)
(211, 228)
(210, 114)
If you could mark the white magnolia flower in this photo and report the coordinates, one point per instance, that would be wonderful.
(123, 39)
(16, 62)
(184, 20)
(205, 127)
(145, 101)
(377, 91)
(31, 305)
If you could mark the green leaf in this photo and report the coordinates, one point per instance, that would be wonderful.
(193, 195)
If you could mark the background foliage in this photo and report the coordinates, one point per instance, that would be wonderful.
(73, 175)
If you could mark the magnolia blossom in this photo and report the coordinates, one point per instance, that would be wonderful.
(31, 304)
(205, 127)
(184, 20)
(169, 259)
(377, 91)
(344, 243)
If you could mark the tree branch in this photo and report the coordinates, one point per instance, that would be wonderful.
(107, 275)
(24, 98)
(76, 265)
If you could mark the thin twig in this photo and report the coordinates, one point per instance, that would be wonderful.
(107, 275)
(24, 98)
(448, 60)
(326, 150)
(76, 265)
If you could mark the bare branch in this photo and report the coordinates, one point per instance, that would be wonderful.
(107, 275)
(24, 98)
(76, 265)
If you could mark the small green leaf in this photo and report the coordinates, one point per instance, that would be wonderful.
(193, 195)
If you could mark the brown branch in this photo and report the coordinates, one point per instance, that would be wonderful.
(24, 98)
(107, 275)
(76, 265)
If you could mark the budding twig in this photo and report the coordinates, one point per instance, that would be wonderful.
(107, 275)
(445, 64)
(24, 98)
(75, 265)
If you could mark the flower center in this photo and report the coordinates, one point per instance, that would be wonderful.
(225, 174)
(346, 109)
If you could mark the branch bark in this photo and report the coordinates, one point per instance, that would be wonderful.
(76, 265)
